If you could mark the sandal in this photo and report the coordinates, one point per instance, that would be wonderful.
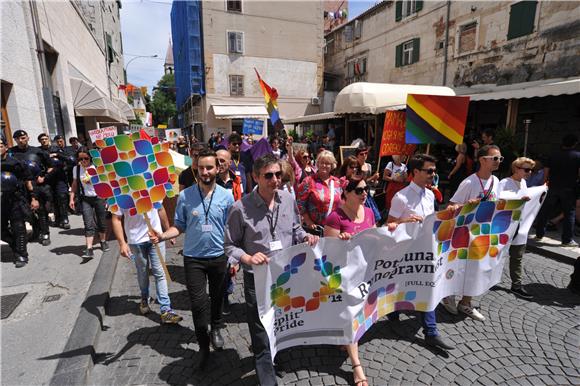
(360, 382)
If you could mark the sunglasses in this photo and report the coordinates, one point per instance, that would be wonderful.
(495, 158)
(270, 175)
(364, 153)
(236, 143)
(358, 190)
(84, 159)
(306, 156)
(527, 170)
(429, 171)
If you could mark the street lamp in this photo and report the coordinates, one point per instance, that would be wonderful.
(137, 57)
(527, 123)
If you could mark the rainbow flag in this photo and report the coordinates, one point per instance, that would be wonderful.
(271, 97)
(436, 119)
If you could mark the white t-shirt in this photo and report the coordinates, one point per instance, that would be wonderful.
(85, 180)
(136, 227)
(471, 188)
(412, 200)
(512, 189)
(396, 169)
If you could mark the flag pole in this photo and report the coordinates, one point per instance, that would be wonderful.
(157, 249)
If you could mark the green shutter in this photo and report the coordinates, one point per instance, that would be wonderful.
(398, 10)
(418, 5)
(416, 48)
(522, 17)
(399, 56)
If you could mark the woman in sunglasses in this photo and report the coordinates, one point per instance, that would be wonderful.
(349, 219)
(480, 186)
(351, 169)
(510, 188)
(93, 207)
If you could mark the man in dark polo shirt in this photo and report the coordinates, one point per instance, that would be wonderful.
(561, 172)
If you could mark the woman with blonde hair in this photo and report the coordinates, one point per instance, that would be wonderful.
(319, 194)
(515, 187)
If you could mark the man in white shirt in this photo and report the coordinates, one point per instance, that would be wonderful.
(480, 186)
(139, 248)
(413, 204)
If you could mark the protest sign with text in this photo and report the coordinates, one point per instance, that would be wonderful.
(393, 140)
(333, 293)
(102, 133)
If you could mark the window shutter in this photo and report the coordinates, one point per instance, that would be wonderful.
(398, 10)
(416, 47)
(232, 42)
(399, 56)
(418, 5)
(522, 17)
(240, 43)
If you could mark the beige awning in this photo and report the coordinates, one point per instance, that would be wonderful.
(88, 101)
(312, 118)
(239, 111)
(125, 108)
(376, 98)
(535, 89)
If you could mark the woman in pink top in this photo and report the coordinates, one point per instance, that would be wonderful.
(349, 219)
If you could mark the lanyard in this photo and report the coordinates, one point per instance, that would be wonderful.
(331, 204)
(236, 163)
(206, 211)
(273, 223)
(488, 193)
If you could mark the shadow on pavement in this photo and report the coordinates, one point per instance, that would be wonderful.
(73, 232)
(548, 295)
(92, 306)
(69, 250)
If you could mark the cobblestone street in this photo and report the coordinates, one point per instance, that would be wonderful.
(521, 342)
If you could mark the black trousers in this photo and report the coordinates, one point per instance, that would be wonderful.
(14, 211)
(260, 342)
(44, 196)
(198, 273)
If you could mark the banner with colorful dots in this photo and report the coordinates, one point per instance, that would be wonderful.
(334, 293)
(132, 173)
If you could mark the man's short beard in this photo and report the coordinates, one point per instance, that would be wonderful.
(207, 183)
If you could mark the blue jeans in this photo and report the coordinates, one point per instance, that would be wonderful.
(143, 252)
(428, 321)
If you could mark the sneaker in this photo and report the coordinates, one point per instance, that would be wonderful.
(88, 253)
(471, 312)
(105, 246)
(520, 292)
(437, 341)
(144, 307)
(449, 304)
(64, 225)
(571, 243)
(170, 317)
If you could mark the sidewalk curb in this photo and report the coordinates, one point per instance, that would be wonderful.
(77, 358)
(552, 252)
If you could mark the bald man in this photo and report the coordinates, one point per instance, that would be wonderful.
(227, 178)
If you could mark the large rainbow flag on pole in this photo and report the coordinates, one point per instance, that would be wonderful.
(436, 119)
(271, 98)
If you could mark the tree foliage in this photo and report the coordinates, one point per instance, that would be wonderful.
(162, 104)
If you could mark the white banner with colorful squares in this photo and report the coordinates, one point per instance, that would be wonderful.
(334, 292)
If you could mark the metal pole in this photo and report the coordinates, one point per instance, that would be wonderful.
(527, 123)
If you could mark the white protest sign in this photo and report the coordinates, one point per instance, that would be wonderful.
(102, 133)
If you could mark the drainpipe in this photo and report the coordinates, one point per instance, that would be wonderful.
(46, 89)
(446, 44)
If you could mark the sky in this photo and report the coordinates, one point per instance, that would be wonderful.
(146, 29)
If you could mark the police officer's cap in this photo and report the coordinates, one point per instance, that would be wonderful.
(19, 133)
(57, 137)
(40, 136)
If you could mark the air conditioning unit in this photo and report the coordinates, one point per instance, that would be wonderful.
(315, 101)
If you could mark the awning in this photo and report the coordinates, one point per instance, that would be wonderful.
(88, 101)
(126, 109)
(535, 89)
(312, 118)
(239, 111)
(376, 98)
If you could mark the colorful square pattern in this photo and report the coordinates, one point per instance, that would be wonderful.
(132, 173)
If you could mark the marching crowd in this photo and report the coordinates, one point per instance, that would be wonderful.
(236, 211)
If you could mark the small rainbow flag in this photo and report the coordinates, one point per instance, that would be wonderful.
(271, 97)
(436, 119)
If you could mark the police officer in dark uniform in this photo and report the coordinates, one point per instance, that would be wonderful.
(39, 165)
(58, 180)
(17, 192)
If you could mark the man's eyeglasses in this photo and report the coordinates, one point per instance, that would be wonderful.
(358, 190)
(270, 175)
(494, 158)
(236, 143)
(84, 159)
(527, 170)
(429, 171)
